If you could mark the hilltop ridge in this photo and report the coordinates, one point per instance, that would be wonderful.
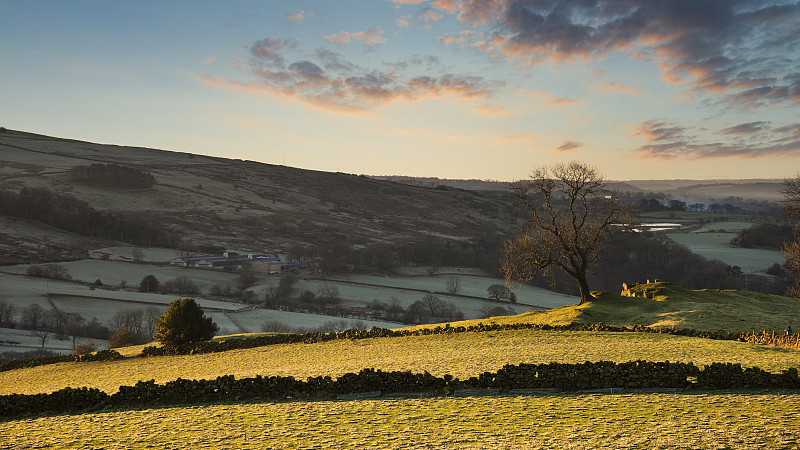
(243, 205)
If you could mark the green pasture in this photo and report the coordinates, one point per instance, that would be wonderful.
(718, 246)
(112, 273)
(470, 285)
(252, 319)
(152, 255)
(459, 354)
(654, 421)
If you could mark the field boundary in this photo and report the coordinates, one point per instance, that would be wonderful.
(523, 379)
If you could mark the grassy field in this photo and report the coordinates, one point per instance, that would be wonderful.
(717, 245)
(461, 355)
(656, 421)
(736, 420)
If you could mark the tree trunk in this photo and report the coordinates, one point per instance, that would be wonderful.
(583, 284)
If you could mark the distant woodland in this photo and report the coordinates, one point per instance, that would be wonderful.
(112, 176)
(67, 213)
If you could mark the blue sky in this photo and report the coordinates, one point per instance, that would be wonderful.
(482, 89)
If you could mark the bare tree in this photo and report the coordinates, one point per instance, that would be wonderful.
(394, 310)
(33, 317)
(188, 251)
(138, 255)
(433, 304)
(791, 207)
(132, 319)
(570, 213)
(43, 335)
(497, 291)
(6, 314)
(453, 285)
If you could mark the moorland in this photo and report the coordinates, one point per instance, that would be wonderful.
(362, 252)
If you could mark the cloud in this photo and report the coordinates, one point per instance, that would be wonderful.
(746, 128)
(331, 81)
(339, 38)
(668, 141)
(449, 6)
(549, 99)
(744, 50)
(568, 146)
(599, 84)
(491, 110)
(405, 21)
(297, 17)
(371, 36)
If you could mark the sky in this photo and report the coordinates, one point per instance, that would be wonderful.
(467, 89)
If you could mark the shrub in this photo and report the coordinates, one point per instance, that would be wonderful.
(84, 348)
(125, 337)
(184, 323)
(149, 284)
(276, 326)
(181, 286)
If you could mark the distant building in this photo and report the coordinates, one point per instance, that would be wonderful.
(234, 261)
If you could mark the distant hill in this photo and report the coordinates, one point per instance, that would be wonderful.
(686, 190)
(695, 190)
(235, 204)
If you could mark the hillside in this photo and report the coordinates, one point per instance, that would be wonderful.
(242, 205)
(660, 304)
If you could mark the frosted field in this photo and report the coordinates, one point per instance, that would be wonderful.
(655, 421)
(718, 246)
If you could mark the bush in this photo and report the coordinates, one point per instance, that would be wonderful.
(181, 286)
(54, 271)
(276, 326)
(184, 323)
(149, 284)
(125, 337)
(84, 348)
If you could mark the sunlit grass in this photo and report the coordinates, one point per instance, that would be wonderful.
(459, 354)
(658, 421)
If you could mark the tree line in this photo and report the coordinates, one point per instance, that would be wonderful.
(112, 176)
(67, 213)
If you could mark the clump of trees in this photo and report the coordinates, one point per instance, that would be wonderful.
(54, 271)
(764, 235)
(67, 213)
(112, 176)
(182, 285)
(183, 323)
(149, 284)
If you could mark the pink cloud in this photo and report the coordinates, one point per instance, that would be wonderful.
(297, 17)
(449, 6)
(666, 140)
(371, 36)
(549, 99)
(491, 110)
(692, 41)
(332, 82)
(339, 38)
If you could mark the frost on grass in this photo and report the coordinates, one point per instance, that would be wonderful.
(660, 421)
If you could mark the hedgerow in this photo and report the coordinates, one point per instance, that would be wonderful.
(259, 341)
(553, 376)
(103, 355)
(310, 338)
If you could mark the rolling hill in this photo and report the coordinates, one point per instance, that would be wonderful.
(236, 204)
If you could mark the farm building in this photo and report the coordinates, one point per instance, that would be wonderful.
(264, 264)
(233, 261)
